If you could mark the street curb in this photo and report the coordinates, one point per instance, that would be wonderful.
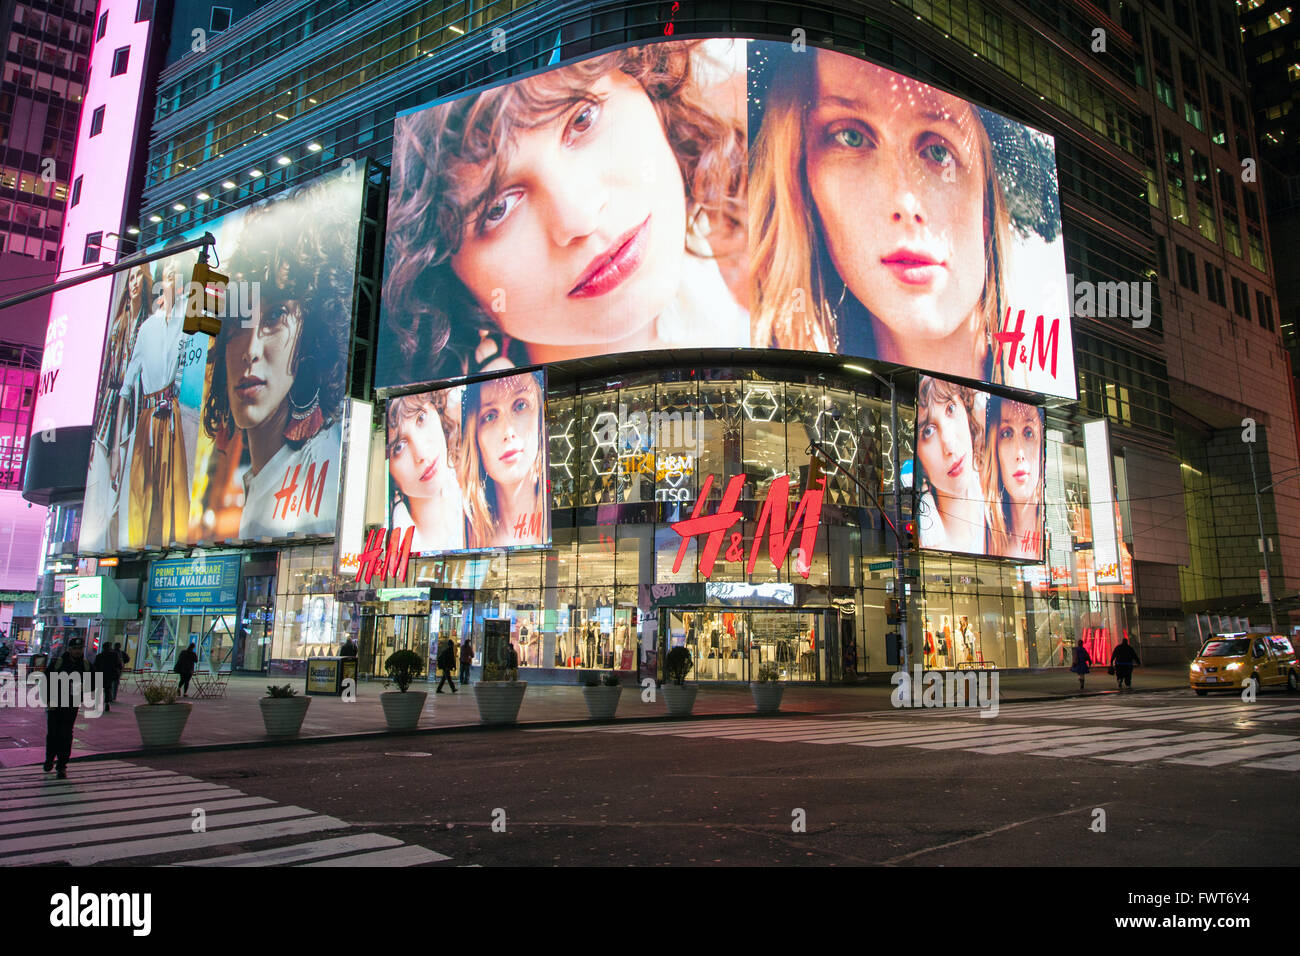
(266, 743)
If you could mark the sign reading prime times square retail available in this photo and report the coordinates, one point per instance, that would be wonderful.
(194, 582)
(771, 520)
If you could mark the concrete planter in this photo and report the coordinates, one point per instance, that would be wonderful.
(283, 716)
(602, 701)
(402, 711)
(767, 696)
(499, 700)
(680, 699)
(161, 725)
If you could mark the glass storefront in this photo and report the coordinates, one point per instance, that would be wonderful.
(619, 586)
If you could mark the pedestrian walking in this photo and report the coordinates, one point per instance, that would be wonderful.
(349, 648)
(447, 664)
(121, 656)
(466, 660)
(61, 711)
(1082, 660)
(1122, 661)
(107, 664)
(512, 658)
(185, 665)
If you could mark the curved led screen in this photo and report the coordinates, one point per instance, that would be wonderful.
(723, 194)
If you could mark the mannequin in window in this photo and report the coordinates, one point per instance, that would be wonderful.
(589, 658)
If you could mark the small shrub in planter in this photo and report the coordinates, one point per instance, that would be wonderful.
(767, 689)
(679, 698)
(161, 718)
(601, 696)
(283, 711)
(402, 708)
(499, 694)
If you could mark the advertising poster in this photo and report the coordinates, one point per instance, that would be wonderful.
(979, 472)
(234, 438)
(723, 194)
(467, 466)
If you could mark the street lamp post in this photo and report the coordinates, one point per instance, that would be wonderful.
(1259, 515)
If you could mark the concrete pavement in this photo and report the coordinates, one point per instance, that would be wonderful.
(236, 721)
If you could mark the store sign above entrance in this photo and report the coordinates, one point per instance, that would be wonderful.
(771, 521)
(388, 562)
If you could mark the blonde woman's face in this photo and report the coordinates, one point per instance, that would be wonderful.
(417, 455)
(945, 448)
(897, 176)
(585, 240)
(1020, 453)
(507, 435)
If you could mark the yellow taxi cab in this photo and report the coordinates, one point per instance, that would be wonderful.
(1227, 661)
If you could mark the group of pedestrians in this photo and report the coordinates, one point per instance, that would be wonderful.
(1122, 661)
(446, 662)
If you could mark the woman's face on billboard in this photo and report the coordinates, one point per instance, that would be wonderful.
(1020, 452)
(944, 446)
(259, 363)
(583, 244)
(507, 433)
(417, 454)
(898, 178)
(135, 284)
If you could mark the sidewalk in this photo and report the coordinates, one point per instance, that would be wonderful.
(236, 721)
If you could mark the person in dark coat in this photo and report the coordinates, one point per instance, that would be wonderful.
(185, 665)
(512, 657)
(1082, 660)
(466, 660)
(107, 665)
(1123, 658)
(349, 648)
(59, 720)
(446, 664)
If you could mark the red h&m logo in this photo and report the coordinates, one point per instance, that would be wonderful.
(391, 564)
(771, 520)
(287, 499)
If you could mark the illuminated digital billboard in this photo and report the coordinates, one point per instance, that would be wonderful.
(236, 438)
(723, 194)
(980, 461)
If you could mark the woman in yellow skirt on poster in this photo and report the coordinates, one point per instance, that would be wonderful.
(159, 486)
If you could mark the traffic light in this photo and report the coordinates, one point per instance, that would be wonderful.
(891, 610)
(909, 536)
(201, 303)
(893, 649)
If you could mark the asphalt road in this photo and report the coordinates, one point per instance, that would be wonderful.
(1176, 781)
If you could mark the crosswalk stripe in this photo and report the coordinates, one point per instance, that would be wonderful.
(158, 828)
(106, 852)
(993, 736)
(857, 731)
(35, 774)
(10, 828)
(92, 811)
(297, 852)
(1127, 739)
(53, 785)
(1241, 748)
(70, 798)
(1034, 743)
(1277, 763)
(409, 855)
(889, 733)
(1186, 744)
(9, 772)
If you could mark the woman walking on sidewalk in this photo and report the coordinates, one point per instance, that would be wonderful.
(1082, 660)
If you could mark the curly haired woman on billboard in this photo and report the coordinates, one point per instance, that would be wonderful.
(952, 510)
(159, 486)
(879, 224)
(422, 451)
(567, 214)
(502, 462)
(278, 379)
(1013, 475)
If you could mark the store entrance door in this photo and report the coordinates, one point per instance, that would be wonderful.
(733, 644)
(383, 634)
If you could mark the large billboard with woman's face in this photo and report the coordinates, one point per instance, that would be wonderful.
(723, 194)
(980, 465)
(467, 466)
(235, 438)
